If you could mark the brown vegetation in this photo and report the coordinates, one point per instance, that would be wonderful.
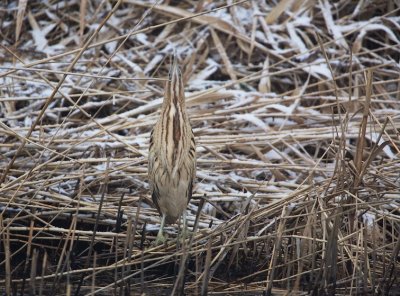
(295, 110)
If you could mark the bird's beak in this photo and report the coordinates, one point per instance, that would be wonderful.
(174, 90)
(174, 71)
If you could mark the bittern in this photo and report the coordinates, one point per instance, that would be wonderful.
(172, 155)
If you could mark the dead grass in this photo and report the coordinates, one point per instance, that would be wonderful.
(295, 108)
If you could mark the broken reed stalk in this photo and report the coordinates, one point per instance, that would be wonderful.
(96, 224)
(359, 153)
(7, 255)
(185, 257)
(55, 90)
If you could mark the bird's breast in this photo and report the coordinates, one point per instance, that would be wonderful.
(173, 141)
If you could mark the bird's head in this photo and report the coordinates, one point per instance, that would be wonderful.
(174, 90)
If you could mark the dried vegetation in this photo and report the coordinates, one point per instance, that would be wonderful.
(295, 108)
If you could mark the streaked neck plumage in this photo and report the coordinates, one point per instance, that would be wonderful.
(174, 89)
(175, 122)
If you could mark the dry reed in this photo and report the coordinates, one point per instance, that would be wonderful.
(295, 109)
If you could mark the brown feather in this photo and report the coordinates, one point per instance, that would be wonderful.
(172, 156)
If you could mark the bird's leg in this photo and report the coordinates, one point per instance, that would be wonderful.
(160, 235)
(185, 230)
(184, 227)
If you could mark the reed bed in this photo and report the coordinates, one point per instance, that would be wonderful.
(295, 109)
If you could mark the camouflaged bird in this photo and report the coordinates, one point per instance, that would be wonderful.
(172, 154)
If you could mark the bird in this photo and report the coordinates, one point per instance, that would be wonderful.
(172, 154)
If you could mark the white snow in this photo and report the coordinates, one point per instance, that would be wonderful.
(153, 63)
(369, 218)
(253, 119)
(142, 38)
(318, 69)
(297, 41)
(198, 79)
(374, 137)
(330, 23)
(273, 155)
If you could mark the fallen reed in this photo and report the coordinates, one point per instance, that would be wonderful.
(295, 111)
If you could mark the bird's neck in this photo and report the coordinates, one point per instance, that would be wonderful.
(174, 130)
(174, 98)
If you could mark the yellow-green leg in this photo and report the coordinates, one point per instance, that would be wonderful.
(160, 235)
(185, 231)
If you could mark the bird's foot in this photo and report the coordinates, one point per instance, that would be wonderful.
(185, 234)
(160, 239)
